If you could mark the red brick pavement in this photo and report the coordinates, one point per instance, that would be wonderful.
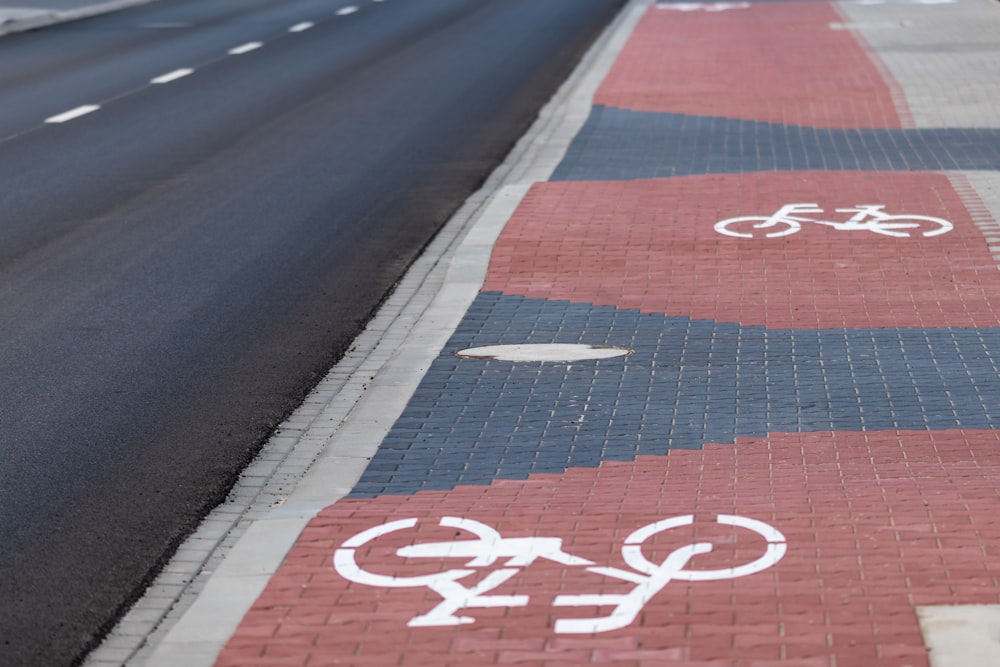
(875, 523)
(651, 245)
(773, 61)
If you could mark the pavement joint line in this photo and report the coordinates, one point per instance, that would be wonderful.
(424, 299)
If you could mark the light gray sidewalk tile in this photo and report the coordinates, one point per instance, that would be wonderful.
(945, 54)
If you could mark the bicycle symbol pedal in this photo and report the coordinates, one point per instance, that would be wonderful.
(867, 218)
(647, 577)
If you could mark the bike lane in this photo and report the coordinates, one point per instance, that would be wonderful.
(818, 408)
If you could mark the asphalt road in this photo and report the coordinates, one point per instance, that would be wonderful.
(181, 264)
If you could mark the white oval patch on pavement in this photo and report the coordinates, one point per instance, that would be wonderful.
(544, 352)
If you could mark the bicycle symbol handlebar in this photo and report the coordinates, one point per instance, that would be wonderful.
(489, 547)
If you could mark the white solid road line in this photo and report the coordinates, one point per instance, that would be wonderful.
(73, 113)
(172, 76)
(344, 11)
(246, 48)
(300, 27)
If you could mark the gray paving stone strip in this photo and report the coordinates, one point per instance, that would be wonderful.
(34, 14)
(942, 53)
(945, 59)
(318, 454)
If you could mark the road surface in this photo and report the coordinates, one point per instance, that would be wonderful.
(202, 204)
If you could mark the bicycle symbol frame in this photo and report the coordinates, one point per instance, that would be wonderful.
(648, 577)
(866, 218)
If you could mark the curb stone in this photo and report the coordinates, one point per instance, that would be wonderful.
(15, 20)
(190, 610)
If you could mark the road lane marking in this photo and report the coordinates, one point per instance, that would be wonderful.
(73, 113)
(245, 48)
(301, 27)
(172, 76)
(344, 11)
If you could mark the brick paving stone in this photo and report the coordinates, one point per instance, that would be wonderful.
(622, 144)
(755, 63)
(688, 382)
(837, 384)
(843, 521)
(651, 245)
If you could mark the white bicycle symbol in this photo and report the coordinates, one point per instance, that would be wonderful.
(866, 218)
(648, 577)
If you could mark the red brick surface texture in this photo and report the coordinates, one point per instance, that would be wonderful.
(652, 245)
(779, 62)
(875, 524)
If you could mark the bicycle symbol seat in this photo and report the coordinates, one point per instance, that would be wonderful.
(647, 577)
(866, 218)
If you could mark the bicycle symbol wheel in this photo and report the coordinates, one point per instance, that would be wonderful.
(646, 577)
(891, 225)
(776, 547)
(748, 227)
(346, 564)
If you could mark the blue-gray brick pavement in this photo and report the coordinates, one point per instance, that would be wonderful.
(688, 383)
(619, 144)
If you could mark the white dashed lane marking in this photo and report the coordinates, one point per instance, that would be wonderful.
(73, 113)
(245, 48)
(172, 76)
(186, 71)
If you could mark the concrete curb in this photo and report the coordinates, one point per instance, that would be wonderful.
(23, 20)
(195, 605)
